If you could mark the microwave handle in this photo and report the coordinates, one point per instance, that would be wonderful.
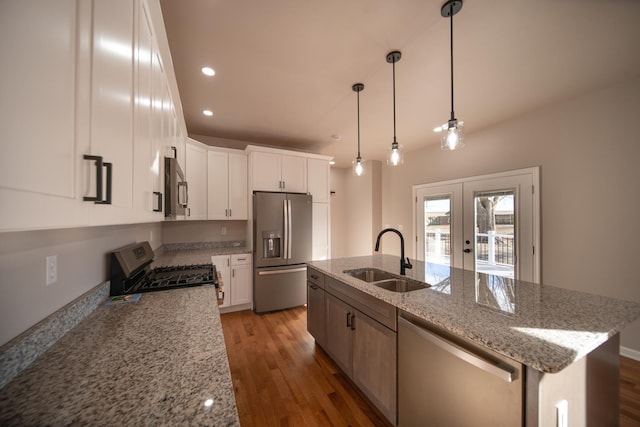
(183, 194)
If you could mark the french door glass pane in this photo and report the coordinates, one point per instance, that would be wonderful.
(437, 229)
(494, 232)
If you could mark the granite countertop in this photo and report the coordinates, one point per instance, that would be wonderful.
(152, 362)
(544, 327)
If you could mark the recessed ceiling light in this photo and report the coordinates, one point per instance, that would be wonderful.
(208, 71)
(207, 112)
(332, 162)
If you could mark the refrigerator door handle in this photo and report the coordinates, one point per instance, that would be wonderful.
(286, 228)
(290, 270)
(290, 228)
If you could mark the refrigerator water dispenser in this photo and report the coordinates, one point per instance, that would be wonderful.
(271, 244)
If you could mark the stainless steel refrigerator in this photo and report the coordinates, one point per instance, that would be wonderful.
(282, 246)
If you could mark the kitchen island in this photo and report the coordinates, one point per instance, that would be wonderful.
(158, 361)
(553, 332)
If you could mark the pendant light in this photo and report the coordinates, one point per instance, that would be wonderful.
(358, 163)
(395, 155)
(452, 136)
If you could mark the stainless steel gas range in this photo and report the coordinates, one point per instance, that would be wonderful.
(131, 272)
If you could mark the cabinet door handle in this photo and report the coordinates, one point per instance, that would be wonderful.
(98, 163)
(314, 277)
(107, 200)
(348, 320)
(353, 322)
(183, 193)
(158, 207)
(241, 259)
(229, 213)
(314, 287)
(175, 152)
(233, 272)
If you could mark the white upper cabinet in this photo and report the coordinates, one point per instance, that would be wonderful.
(111, 112)
(238, 187)
(196, 176)
(96, 87)
(319, 180)
(39, 186)
(278, 172)
(294, 174)
(227, 186)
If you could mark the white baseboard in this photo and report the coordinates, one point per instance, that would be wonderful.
(630, 353)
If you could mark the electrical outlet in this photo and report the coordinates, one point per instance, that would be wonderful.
(51, 270)
(562, 414)
(223, 231)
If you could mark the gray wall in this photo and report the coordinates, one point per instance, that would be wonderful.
(588, 150)
(356, 210)
(82, 265)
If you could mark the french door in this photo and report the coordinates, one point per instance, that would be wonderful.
(487, 224)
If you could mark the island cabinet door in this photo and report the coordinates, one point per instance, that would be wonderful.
(374, 363)
(339, 336)
(316, 313)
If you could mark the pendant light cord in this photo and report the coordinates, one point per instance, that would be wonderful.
(394, 101)
(358, 93)
(453, 117)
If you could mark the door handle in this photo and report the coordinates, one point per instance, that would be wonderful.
(107, 200)
(158, 207)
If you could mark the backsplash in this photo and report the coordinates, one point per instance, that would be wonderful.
(203, 231)
(170, 247)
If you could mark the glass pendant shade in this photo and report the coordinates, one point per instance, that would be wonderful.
(453, 137)
(358, 166)
(395, 155)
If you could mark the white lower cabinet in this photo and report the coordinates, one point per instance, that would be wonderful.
(234, 273)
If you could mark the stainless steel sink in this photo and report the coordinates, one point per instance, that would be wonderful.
(370, 274)
(401, 285)
(385, 280)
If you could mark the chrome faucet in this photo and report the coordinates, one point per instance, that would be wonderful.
(403, 264)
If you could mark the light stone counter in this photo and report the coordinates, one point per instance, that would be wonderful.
(152, 362)
(544, 327)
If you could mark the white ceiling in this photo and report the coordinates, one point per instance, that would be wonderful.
(284, 68)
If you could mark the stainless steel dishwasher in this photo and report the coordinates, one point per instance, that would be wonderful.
(446, 381)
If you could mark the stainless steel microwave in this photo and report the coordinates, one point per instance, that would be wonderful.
(176, 189)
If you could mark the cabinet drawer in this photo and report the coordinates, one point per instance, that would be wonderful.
(378, 310)
(315, 277)
(240, 259)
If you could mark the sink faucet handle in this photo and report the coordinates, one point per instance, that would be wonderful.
(408, 264)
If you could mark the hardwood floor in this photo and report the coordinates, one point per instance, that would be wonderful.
(629, 392)
(281, 378)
